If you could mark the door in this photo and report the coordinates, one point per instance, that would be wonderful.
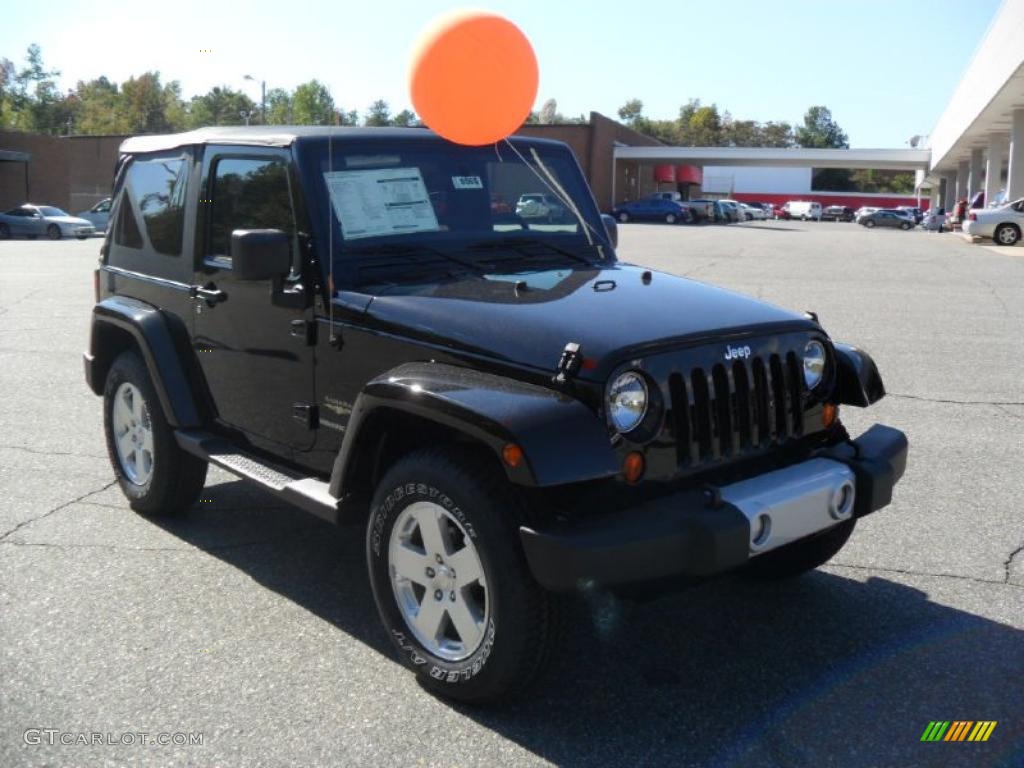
(250, 335)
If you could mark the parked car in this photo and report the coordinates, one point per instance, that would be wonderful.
(98, 214)
(732, 210)
(540, 205)
(934, 219)
(803, 210)
(496, 417)
(753, 212)
(653, 209)
(705, 210)
(1003, 225)
(864, 210)
(886, 218)
(916, 213)
(837, 213)
(34, 221)
(780, 212)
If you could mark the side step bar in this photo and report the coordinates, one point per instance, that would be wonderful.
(306, 492)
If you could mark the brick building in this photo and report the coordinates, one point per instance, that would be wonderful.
(74, 172)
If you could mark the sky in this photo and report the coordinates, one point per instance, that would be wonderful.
(886, 68)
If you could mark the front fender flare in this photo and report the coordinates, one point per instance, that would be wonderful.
(859, 382)
(161, 351)
(562, 440)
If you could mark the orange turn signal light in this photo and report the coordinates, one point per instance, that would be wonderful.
(512, 454)
(633, 466)
(829, 414)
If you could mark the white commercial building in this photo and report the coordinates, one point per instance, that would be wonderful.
(978, 143)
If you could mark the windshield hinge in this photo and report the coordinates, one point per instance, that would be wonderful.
(568, 365)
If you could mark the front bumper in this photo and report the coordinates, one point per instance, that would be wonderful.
(699, 534)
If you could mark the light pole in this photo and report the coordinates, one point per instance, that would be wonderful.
(263, 97)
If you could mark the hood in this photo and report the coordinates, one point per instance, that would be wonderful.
(613, 313)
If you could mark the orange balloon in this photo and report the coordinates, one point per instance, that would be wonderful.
(473, 78)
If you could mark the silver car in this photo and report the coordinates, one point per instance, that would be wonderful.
(99, 214)
(33, 221)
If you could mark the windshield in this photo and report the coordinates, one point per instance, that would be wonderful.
(49, 210)
(466, 208)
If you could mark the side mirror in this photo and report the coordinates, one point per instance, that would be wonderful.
(612, 228)
(260, 254)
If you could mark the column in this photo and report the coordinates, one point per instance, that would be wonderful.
(949, 193)
(961, 181)
(994, 166)
(974, 183)
(1015, 175)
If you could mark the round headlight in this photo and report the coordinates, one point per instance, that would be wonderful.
(814, 363)
(627, 401)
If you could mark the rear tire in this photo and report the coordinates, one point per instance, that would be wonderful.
(623, 217)
(904, 226)
(5, 232)
(801, 556)
(485, 636)
(156, 475)
(1006, 234)
(670, 218)
(869, 223)
(53, 232)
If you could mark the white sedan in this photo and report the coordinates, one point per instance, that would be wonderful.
(34, 221)
(753, 212)
(1003, 224)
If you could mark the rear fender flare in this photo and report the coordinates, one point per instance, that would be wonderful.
(161, 349)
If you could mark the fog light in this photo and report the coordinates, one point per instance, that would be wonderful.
(633, 466)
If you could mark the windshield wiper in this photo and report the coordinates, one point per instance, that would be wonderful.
(520, 244)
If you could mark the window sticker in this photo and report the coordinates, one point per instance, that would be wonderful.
(467, 182)
(382, 201)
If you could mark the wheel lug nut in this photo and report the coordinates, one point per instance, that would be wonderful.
(453, 595)
(438, 594)
(438, 559)
(430, 572)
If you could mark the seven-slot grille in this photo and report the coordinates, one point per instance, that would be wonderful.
(735, 408)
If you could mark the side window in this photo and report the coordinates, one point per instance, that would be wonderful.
(154, 191)
(103, 207)
(247, 193)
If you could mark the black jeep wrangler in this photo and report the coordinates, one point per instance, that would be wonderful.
(359, 322)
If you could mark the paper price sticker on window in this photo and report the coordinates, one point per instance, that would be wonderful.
(467, 182)
(379, 202)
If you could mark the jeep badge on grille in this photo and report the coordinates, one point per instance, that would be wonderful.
(734, 353)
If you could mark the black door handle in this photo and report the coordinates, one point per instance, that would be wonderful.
(210, 295)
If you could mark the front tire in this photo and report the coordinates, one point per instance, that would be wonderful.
(156, 475)
(1006, 234)
(623, 217)
(53, 232)
(869, 223)
(904, 226)
(802, 556)
(670, 218)
(450, 579)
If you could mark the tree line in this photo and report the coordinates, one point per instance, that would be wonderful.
(31, 101)
(703, 125)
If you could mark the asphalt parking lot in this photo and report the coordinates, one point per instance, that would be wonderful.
(253, 624)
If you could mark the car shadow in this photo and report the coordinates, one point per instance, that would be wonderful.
(821, 670)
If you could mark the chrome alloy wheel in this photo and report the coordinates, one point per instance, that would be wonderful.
(438, 581)
(133, 434)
